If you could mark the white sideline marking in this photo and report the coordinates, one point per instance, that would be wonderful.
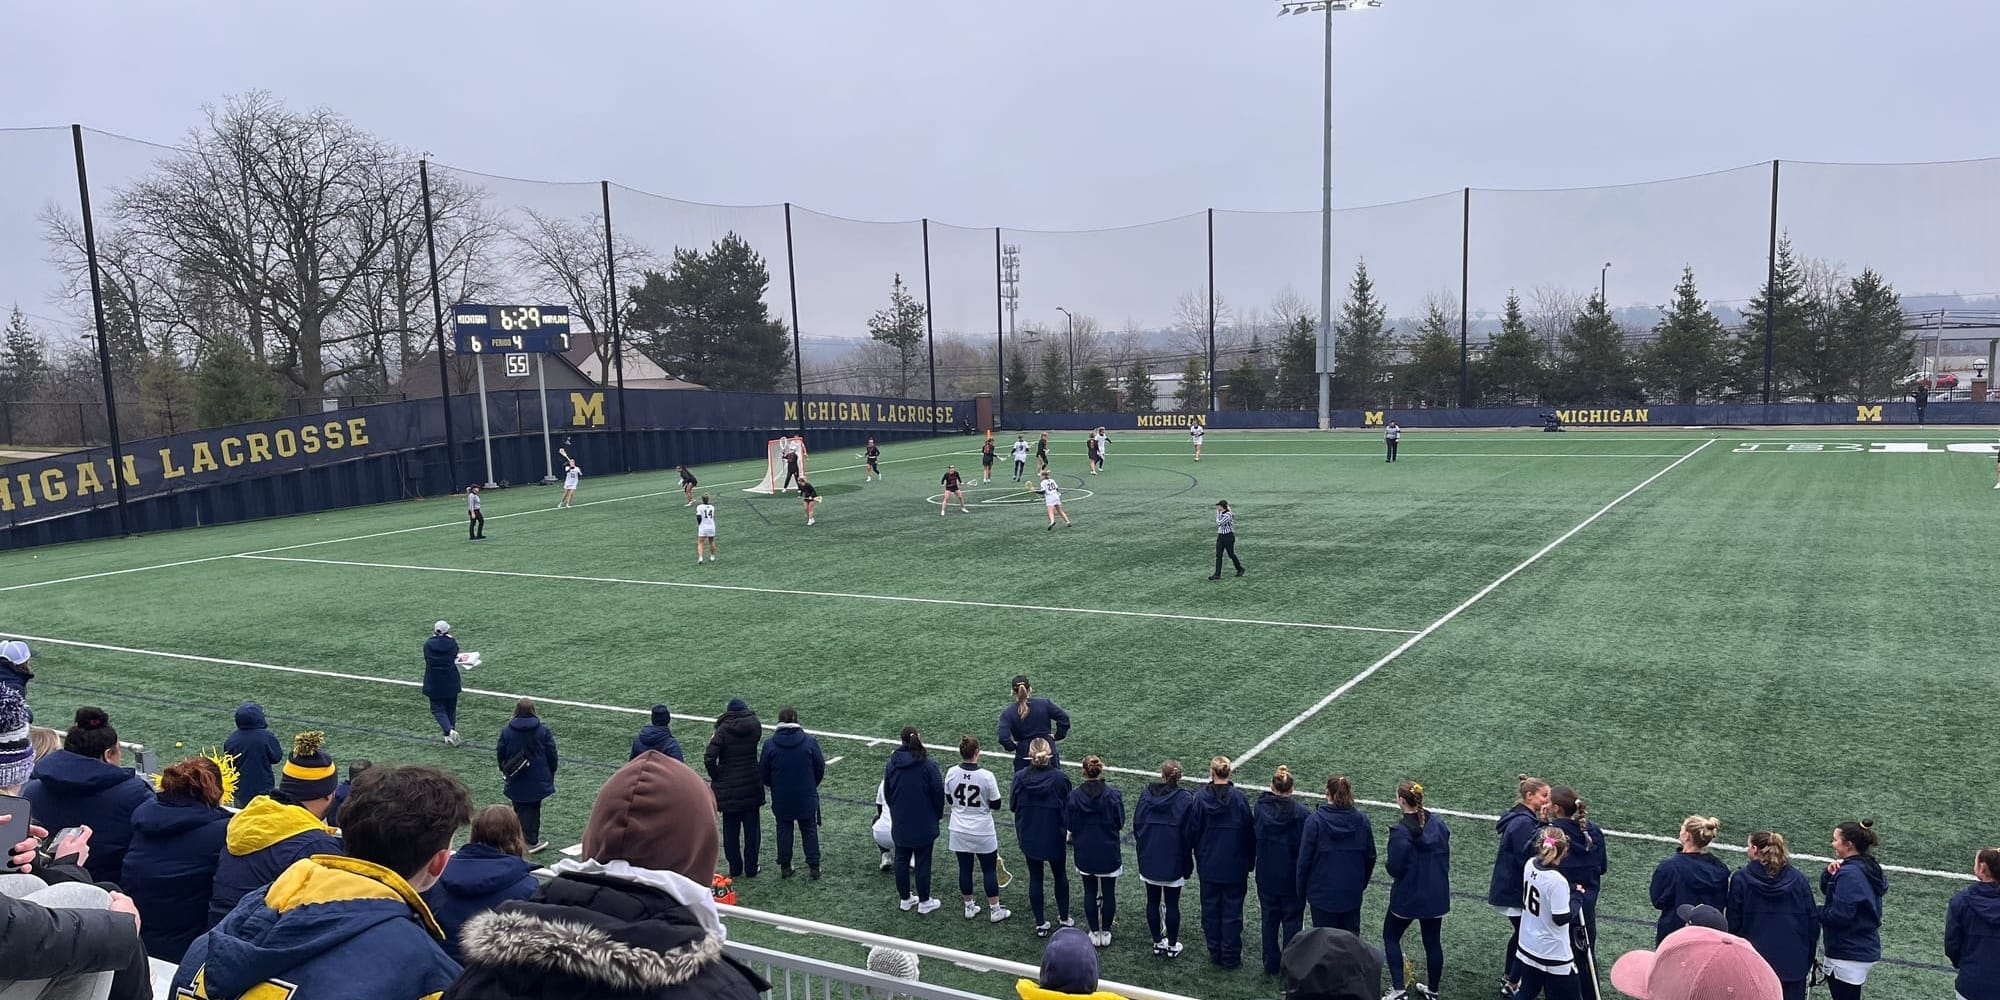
(830, 761)
(427, 527)
(829, 593)
(1374, 454)
(868, 741)
(1321, 705)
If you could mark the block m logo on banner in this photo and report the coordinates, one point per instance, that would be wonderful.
(1864, 414)
(586, 411)
(1371, 418)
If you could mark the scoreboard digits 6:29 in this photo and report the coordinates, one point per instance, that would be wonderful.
(479, 329)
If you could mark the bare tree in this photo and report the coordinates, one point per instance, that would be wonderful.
(391, 305)
(1551, 312)
(1191, 316)
(565, 260)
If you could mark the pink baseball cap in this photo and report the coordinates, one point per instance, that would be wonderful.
(1696, 963)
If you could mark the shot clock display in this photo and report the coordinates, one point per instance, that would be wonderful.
(510, 329)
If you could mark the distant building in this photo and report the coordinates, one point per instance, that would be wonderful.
(575, 369)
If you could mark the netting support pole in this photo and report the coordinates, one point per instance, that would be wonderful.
(103, 342)
(1770, 287)
(798, 362)
(1326, 240)
(437, 315)
(999, 333)
(1464, 297)
(930, 326)
(1211, 311)
(617, 329)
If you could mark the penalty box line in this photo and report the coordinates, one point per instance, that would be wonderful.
(423, 527)
(1303, 717)
(866, 741)
(891, 598)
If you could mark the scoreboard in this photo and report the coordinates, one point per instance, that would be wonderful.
(481, 329)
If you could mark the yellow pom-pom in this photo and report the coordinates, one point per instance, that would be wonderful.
(308, 743)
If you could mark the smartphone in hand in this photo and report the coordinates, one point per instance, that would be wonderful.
(15, 827)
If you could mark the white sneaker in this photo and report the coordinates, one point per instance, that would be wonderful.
(1066, 922)
(540, 846)
(451, 738)
(1174, 950)
(971, 910)
(810, 522)
(929, 906)
(867, 479)
(1160, 948)
(941, 510)
(998, 913)
(1396, 995)
(907, 904)
(887, 861)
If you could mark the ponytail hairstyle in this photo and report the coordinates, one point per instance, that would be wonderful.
(1040, 753)
(1770, 851)
(1860, 836)
(1219, 768)
(1021, 691)
(1989, 859)
(1340, 792)
(1170, 773)
(1281, 782)
(1093, 768)
(1529, 786)
(196, 778)
(1572, 807)
(1701, 830)
(92, 736)
(1552, 847)
(1412, 794)
(968, 748)
(913, 743)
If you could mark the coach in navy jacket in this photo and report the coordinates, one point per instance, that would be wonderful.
(1095, 816)
(1037, 798)
(1336, 858)
(1972, 937)
(658, 736)
(1027, 719)
(170, 870)
(1159, 825)
(1419, 867)
(1687, 879)
(256, 751)
(1224, 834)
(441, 680)
(792, 766)
(1516, 829)
(1280, 823)
(1775, 913)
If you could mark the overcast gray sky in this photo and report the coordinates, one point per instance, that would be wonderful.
(1065, 115)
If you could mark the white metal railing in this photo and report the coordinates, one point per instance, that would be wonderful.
(795, 976)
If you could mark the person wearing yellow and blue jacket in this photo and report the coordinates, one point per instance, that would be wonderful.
(274, 831)
(346, 928)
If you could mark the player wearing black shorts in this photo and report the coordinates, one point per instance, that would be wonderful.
(688, 484)
(986, 460)
(951, 489)
(873, 455)
(809, 495)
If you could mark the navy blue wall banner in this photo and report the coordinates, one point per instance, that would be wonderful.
(1731, 415)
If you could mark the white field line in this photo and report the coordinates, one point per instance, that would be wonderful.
(1428, 630)
(830, 761)
(869, 741)
(1376, 454)
(426, 527)
(893, 598)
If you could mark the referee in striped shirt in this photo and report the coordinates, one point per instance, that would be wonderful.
(1225, 539)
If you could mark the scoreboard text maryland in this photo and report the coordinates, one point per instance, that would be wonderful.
(510, 329)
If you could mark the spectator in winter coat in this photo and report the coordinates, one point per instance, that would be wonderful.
(1095, 816)
(1069, 971)
(528, 760)
(1027, 719)
(634, 919)
(792, 767)
(346, 926)
(1972, 930)
(1691, 877)
(1516, 829)
(170, 870)
(1419, 868)
(658, 735)
(913, 791)
(1280, 822)
(1037, 798)
(1584, 865)
(1771, 906)
(82, 785)
(256, 752)
(731, 761)
(60, 935)
(1328, 964)
(276, 830)
(1224, 836)
(14, 672)
(1166, 856)
(489, 870)
(1851, 918)
(340, 794)
(1336, 859)
(441, 682)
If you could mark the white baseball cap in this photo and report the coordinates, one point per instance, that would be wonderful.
(14, 650)
(441, 627)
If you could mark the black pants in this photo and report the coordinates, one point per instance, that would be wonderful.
(1391, 442)
(1432, 929)
(1222, 922)
(1513, 963)
(530, 814)
(1794, 990)
(1535, 982)
(1346, 920)
(1020, 469)
(1169, 898)
(475, 525)
(1843, 991)
(1100, 901)
(989, 867)
(1282, 916)
(1225, 544)
(808, 832)
(919, 859)
(742, 834)
(1037, 902)
(1920, 414)
(445, 711)
(791, 475)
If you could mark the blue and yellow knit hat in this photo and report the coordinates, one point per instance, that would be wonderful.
(310, 773)
(17, 750)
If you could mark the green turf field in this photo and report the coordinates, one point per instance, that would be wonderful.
(1673, 621)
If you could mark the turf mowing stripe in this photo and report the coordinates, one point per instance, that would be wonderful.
(114, 572)
(1394, 654)
(948, 602)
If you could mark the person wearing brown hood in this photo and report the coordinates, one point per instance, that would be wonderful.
(635, 918)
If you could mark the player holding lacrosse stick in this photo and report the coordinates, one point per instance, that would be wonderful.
(950, 482)
(570, 475)
(873, 455)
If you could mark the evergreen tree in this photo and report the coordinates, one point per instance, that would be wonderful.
(1877, 350)
(1783, 305)
(1596, 367)
(1140, 394)
(1094, 392)
(1053, 394)
(1361, 344)
(166, 393)
(1689, 356)
(1512, 371)
(901, 326)
(1020, 385)
(1432, 373)
(1298, 377)
(705, 319)
(231, 387)
(1246, 386)
(1192, 396)
(24, 366)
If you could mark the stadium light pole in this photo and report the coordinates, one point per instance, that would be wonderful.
(1327, 8)
(1069, 346)
(1601, 275)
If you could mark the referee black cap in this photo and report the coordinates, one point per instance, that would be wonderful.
(1222, 503)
